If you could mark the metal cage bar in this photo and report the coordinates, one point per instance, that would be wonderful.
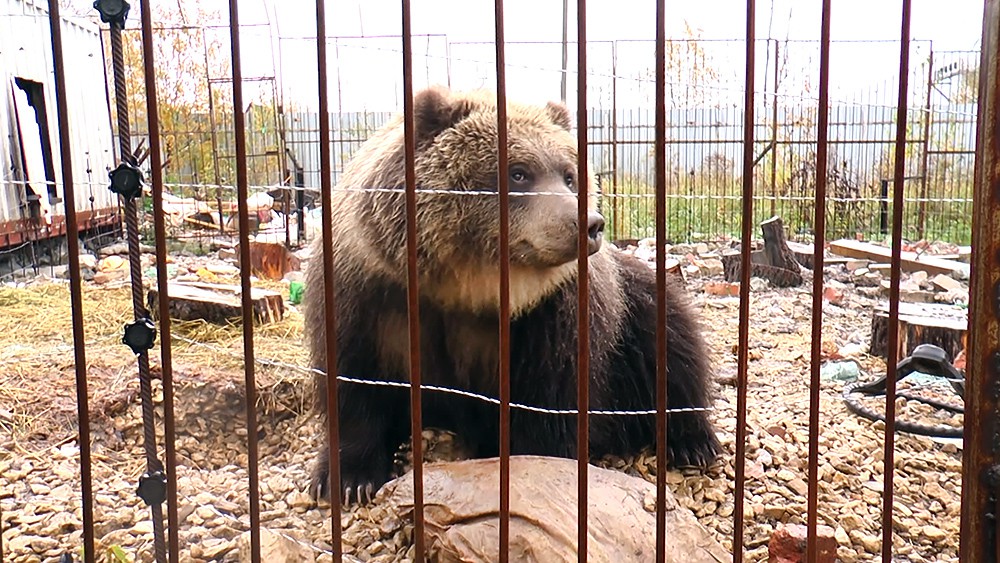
(503, 189)
(412, 280)
(892, 346)
(742, 363)
(583, 286)
(166, 361)
(75, 284)
(661, 283)
(239, 127)
(329, 311)
(819, 237)
(980, 476)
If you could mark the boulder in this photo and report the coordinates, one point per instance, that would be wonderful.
(462, 504)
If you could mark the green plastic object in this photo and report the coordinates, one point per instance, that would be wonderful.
(295, 292)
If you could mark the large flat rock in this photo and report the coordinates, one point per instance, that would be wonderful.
(462, 505)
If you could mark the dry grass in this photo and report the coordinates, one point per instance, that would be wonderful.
(37, 362)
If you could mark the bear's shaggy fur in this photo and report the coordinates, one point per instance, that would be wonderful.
(459, 281)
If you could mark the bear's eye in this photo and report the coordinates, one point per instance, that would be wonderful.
(518, 175)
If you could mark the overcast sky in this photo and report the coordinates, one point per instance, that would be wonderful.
(534, 71)
(366, 72)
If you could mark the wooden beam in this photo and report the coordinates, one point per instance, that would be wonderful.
(910, 261)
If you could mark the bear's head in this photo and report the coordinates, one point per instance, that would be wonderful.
(458, 232)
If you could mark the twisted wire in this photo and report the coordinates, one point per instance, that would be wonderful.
(132, 235)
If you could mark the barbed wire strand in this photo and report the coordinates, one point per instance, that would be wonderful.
(436, 388)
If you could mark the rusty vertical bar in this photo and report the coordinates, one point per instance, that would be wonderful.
(660, 145)
(978, 536)
(743, 359)
(819, 239)
(583, 287)
(75, 283)
(239, 130)
(412, 291)
(160, 234)
(922, 204)
(892, 348)
(211, 123)
(774, 135)
(326, 203)
(503, 187)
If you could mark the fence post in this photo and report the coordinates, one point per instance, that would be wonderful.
(980, 468)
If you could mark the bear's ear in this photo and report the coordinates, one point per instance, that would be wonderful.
(559, 114)
(435, 110)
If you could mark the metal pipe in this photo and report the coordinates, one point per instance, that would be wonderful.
(215, 143)
(819, 238)
(242, 194)
(743, 358)
(412, 290)
(774, 135)
(326, 196)
(980, 529)
(159, 226)
(565, 57)
(75, 285)
(616, 204)
(503, 187)
(892, 342)
(583, 286)
(659, 142)
(921, 203)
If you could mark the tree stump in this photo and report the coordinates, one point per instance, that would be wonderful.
(775, 263)
(944, 326)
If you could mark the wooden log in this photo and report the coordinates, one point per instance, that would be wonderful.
(216, 303)
(776, 245)
(910, 261)
(803, 253)
(921, 323)
(775, 263)
(271, 260)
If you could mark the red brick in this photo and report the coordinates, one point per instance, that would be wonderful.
(788, 544)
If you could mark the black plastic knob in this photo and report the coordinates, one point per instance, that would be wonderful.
(140, 335)
(126, 181)
(153, 487)
(112, 10)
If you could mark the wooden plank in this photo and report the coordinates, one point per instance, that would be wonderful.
(910, 261)
(216, 303)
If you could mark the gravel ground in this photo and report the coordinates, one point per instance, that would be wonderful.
(39, 476)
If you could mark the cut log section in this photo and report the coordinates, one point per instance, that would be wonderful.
(944, 326)
(776, 262)
(215, 303)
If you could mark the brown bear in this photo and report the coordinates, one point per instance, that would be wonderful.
(459, 286)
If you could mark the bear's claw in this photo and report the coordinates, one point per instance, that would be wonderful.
(357, 486)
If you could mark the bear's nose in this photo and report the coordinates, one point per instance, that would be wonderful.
(595, 231)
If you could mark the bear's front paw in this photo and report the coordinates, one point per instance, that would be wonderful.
(692, 443)
(694, 455)
(359, 481)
